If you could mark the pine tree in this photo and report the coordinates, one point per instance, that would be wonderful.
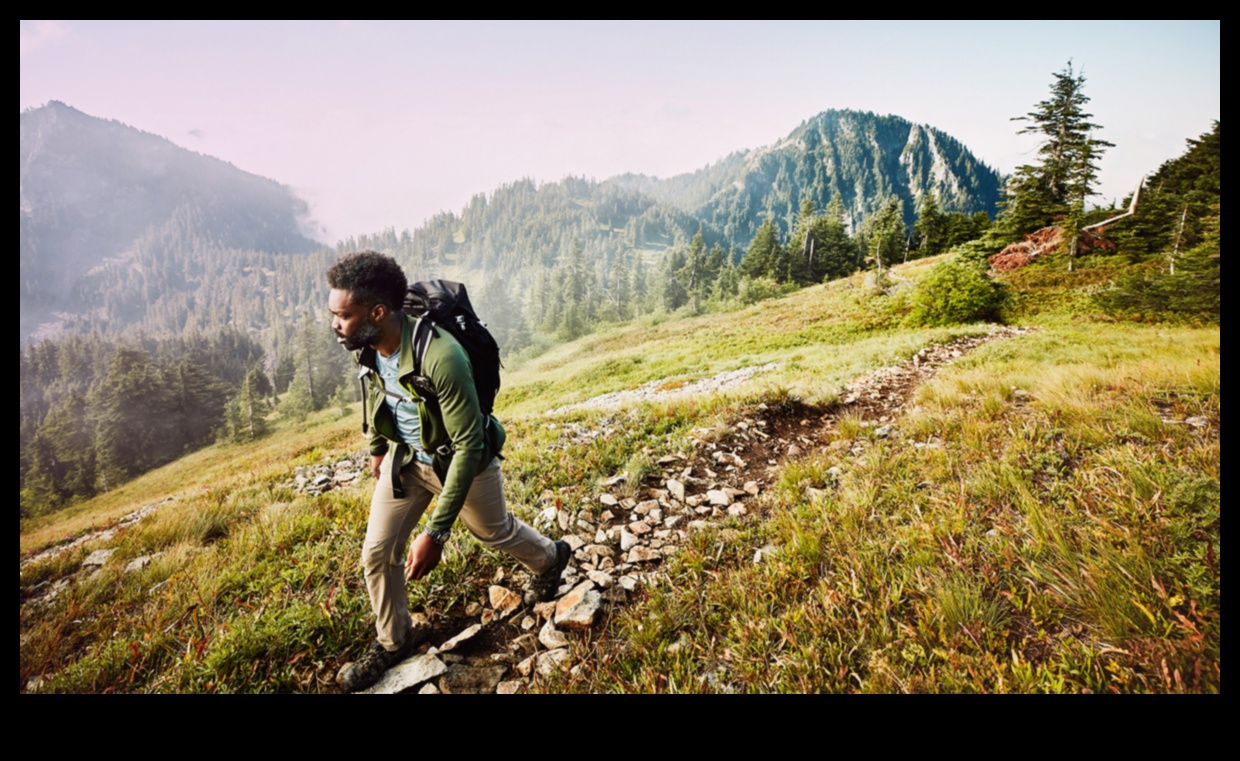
(1056, 187)
(802, 247)
(885, 233)
(1193, 288)
(246, 417)
(577, 312)
(691, 275)
(931, 226)
(503, 315)
(641, 289)
(727, 283)
(60, 457)
(319, 368)
(136, 424)
(307, 371)
(298, 402)
(621, 291)
(673, 292)
(197, 399)
(1175, 202)
(835, 252)
(762, 258)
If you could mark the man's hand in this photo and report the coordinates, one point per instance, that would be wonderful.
(423, 557)
(375, 462)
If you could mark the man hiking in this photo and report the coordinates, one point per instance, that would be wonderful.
(408, 427)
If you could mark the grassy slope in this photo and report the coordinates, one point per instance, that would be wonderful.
(1069, 541)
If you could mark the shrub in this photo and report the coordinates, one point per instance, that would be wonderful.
(955, 292)
(758, 289)
(977, 252)
(1195, 290)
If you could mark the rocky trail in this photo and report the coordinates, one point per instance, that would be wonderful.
(620, 540)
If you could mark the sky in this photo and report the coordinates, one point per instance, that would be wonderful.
(384, 124)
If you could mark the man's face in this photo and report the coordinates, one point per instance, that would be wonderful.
(353, 323)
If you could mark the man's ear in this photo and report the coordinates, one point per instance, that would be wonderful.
(379, 312)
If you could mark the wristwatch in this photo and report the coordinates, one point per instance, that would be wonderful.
(439, 537)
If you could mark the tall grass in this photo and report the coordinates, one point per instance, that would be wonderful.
(1065, 541)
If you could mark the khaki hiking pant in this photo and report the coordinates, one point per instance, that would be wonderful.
(392, 520)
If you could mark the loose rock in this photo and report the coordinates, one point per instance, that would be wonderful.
(407, 674)
(138, 563)
(551, 637)
(503, 600)
(97, 558)
(640, 554)
(471, 680)
(577, 609)
(461, 638)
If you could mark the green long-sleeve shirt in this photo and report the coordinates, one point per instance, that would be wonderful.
(450, 417)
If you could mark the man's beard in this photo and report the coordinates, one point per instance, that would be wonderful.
(364, 336)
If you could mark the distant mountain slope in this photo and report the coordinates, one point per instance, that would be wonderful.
(859, 156)
(90, 188)
(121, 228)
(520, 228)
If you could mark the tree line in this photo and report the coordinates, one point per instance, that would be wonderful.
(96, 410)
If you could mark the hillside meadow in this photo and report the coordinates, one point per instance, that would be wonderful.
(1045, 518)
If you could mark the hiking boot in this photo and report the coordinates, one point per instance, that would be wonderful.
(543, 587)
(367, 670)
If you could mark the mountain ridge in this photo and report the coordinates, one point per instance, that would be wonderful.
(90, 188)
(858, 155)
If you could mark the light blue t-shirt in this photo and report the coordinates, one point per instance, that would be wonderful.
(408, 424)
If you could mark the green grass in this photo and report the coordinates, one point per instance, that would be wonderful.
(1063, 539)
(1066, 544)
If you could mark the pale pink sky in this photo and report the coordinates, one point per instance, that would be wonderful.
(384, 124)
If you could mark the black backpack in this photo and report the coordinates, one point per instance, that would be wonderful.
(445, 305)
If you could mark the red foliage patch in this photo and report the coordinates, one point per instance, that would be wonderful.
(1046, 240)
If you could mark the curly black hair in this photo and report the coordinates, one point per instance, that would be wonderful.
(371, 278)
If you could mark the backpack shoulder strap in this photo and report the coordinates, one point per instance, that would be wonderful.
(423, 332)
(362, 375)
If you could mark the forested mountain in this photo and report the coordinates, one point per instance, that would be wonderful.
(119, 227)
(94, 191)
(858, 157)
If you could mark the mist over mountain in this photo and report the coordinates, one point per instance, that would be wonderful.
(91, 190)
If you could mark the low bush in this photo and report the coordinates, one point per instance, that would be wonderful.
(955, 292)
